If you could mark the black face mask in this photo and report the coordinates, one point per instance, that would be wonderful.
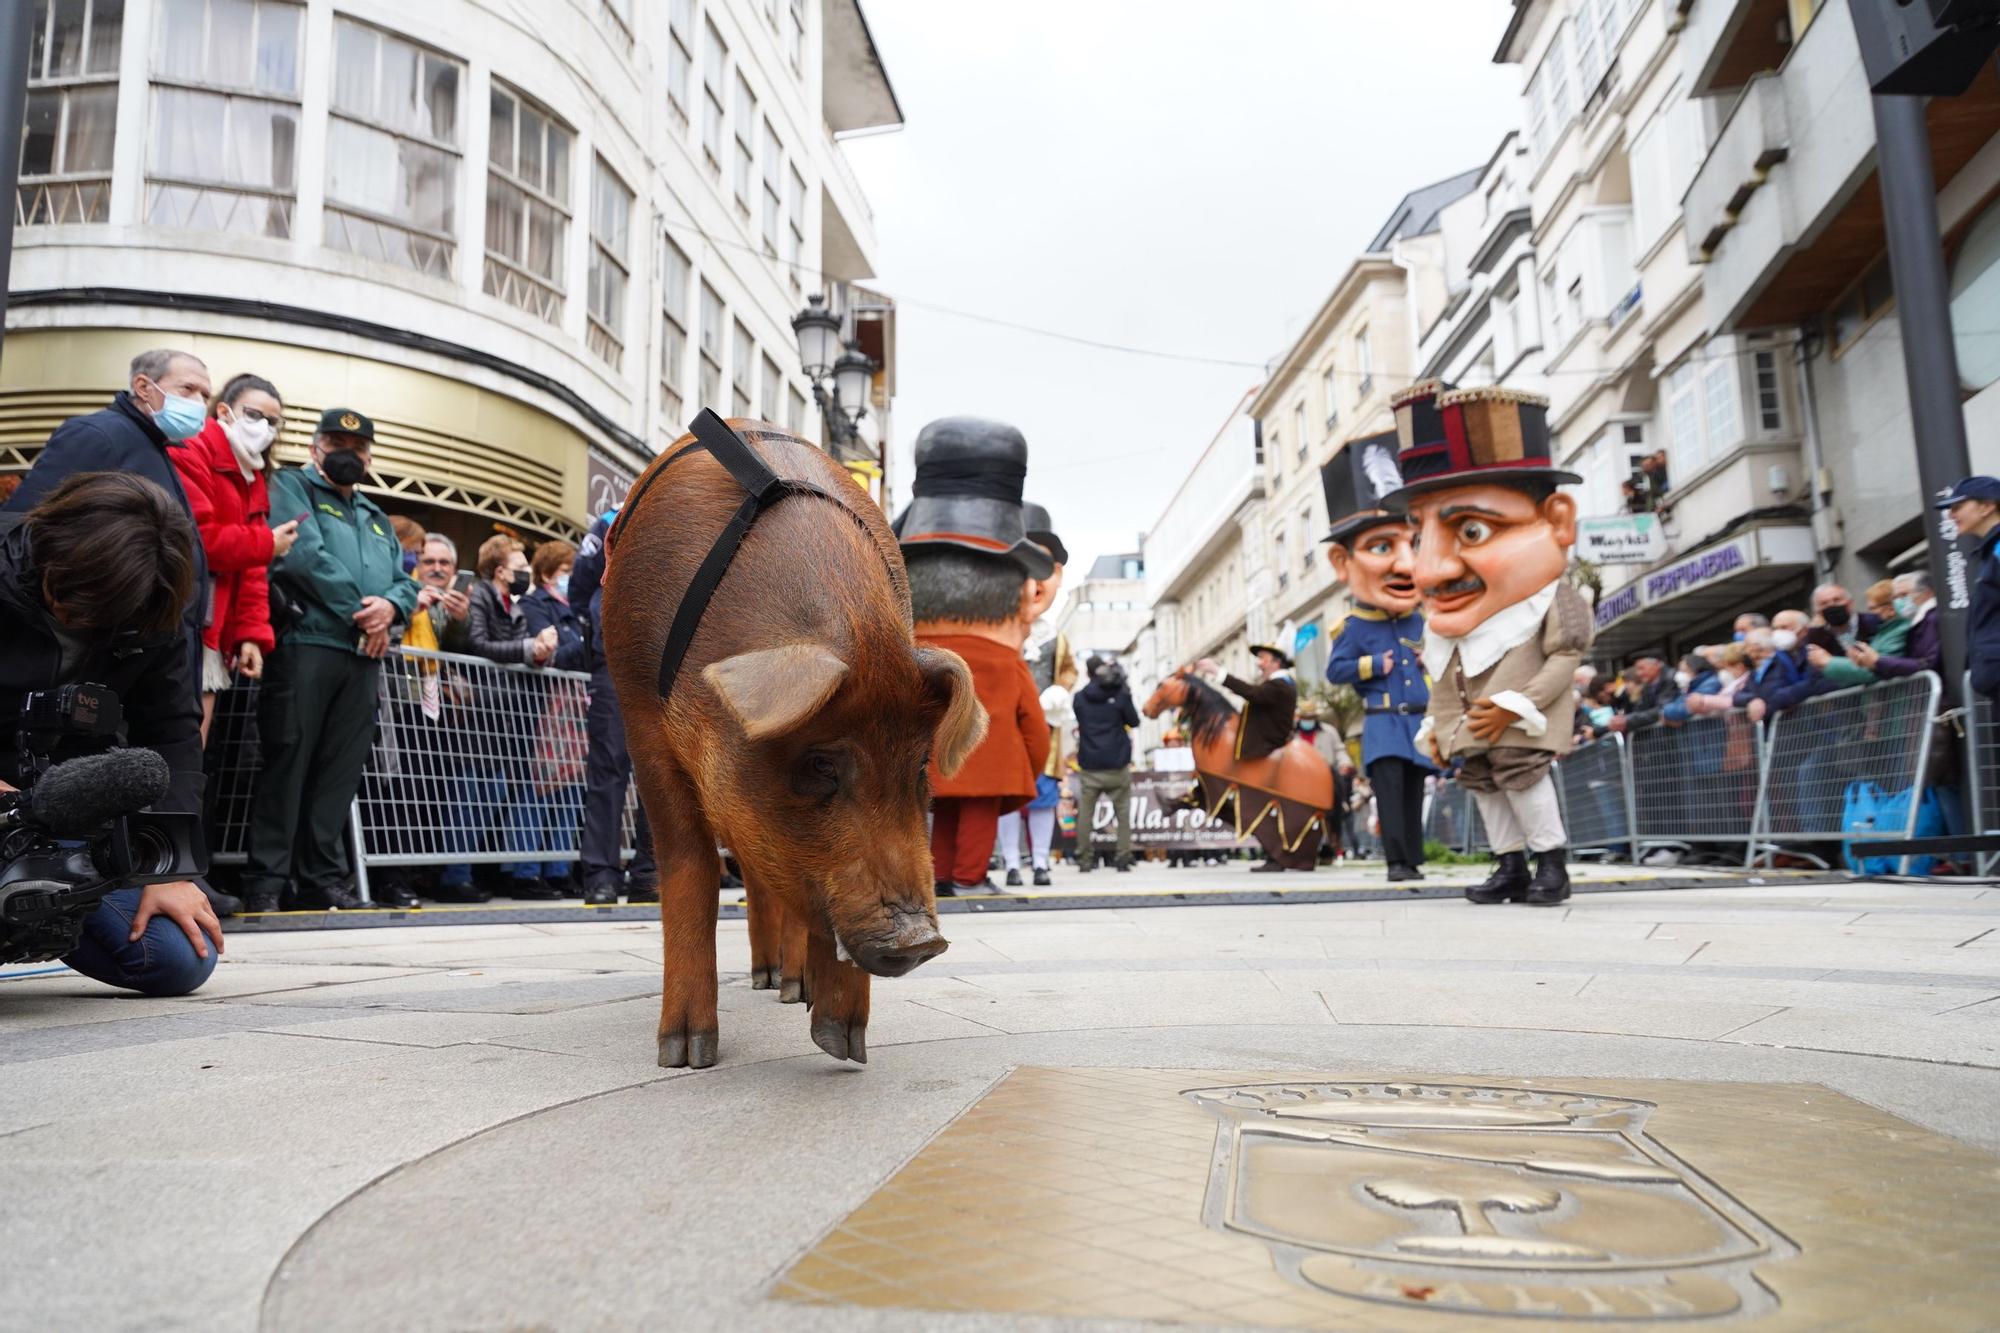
(343, 467)
(1836, 617)
(518, 585)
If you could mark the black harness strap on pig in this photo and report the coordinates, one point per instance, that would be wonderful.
(764, 488)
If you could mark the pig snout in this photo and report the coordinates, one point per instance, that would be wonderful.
(909, 940)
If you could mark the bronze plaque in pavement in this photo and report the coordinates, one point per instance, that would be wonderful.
(1357, 1202)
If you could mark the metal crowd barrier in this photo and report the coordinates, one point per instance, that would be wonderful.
(1864, 743)
(1699, 782)
(1595, 795)
(1453, 819)
(471, 762)
(1847, 767)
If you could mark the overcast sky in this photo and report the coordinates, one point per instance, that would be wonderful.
(1187, 177)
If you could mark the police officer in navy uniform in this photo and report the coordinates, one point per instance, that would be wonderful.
(1375, 648)
(1974, 507)
(316, 709)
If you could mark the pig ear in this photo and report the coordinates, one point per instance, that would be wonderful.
(775, 689)
(963, 726)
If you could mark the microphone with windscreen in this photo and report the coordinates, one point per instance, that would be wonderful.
(77, 798)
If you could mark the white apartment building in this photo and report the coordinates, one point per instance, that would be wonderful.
(1489, 328)
(530, 241)
(1614, 138)
(1785, 215)
(1333, 385)
(1207, 586)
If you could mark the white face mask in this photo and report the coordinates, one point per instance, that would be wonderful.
(1784, 640)
(247, 436)
(1683, 678)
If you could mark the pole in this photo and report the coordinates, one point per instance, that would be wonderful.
(14, 30)
(1930, 361)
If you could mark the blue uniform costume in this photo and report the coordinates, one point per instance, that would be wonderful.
(1378, 656)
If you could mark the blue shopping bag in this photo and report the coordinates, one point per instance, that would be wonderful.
(1869, 809)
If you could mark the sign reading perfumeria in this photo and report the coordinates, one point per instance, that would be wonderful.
(1663, 585)
(1699, 570)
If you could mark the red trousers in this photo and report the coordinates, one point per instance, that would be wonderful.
(963, 830)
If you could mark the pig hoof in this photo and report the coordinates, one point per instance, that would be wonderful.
(680, 1050)
(839, 1040)
(763, 978)
(791, 990)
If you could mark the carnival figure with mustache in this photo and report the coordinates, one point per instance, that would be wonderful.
(1376, 648)
(1505, 630)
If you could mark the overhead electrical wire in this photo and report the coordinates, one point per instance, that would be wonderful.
(1268, 369)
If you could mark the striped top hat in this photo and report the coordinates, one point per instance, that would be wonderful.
(1460, 437)
(968, 493)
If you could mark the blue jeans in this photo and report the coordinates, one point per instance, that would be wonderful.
(160, 962)
(484, 800)
(550, 821)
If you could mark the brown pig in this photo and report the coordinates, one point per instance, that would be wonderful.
(796, 734)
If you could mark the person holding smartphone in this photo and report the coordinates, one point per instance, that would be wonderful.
(444, 602)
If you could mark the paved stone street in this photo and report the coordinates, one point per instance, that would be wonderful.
(463, 1127)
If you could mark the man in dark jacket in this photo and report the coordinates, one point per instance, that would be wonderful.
(608, 769)
(1780, 675)
(165, 404)
(92, 582)
(1656, 689)
(1973, 506)
(1104, 714)
(316, 711)
(1270, 704)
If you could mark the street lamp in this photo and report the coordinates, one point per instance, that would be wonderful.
(818, 330)
(852, 375)
(823, 357)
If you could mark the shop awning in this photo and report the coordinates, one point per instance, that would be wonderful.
(1713, 582)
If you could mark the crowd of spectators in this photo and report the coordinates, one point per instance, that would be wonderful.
(303, 588)
(1772, 664)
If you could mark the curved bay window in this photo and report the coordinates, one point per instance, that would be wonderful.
(392, 150)
(610, 225)
(225, 122)
(72, 112)
(527, 220)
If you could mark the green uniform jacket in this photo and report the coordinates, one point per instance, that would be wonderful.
(346, 551)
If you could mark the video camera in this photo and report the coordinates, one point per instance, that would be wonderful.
(75, 830)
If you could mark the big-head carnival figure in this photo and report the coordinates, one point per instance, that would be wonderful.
(1504, 629)
(1376, 648)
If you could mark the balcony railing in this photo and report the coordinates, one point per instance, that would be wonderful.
(390, 242)
(519, 288)
(200, 207)
(55, 203)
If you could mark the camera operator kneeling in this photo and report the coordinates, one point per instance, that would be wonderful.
(92, 584)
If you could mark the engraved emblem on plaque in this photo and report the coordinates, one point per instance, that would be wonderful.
(1486, 1200)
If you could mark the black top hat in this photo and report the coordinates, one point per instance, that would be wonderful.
(1356, 479)
(968, 492)
(1458, 437)
(1042, 531)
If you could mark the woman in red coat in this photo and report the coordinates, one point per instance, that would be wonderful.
(222, 469)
